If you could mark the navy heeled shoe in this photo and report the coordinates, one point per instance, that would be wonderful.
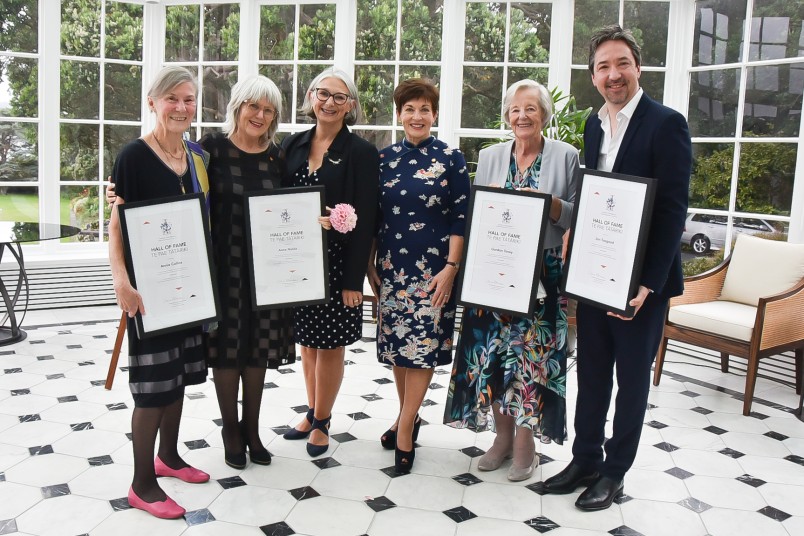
(323, 426)
(293, 433)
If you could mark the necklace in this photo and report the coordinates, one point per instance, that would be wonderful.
(519, 177)
(171, 155)
(182, 162)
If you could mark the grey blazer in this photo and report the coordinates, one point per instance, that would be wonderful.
(559, 177)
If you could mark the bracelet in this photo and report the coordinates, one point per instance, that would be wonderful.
(453, 264)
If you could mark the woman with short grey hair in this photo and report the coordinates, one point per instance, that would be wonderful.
(244, 158)
(347, 166)
(510, 372)
(159, 164)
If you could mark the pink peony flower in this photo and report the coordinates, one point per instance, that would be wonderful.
(343, 217)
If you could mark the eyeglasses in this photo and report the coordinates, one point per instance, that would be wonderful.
(254, 108)
(338, 98)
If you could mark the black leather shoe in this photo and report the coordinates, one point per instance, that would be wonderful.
(600, 495)
(568, 480)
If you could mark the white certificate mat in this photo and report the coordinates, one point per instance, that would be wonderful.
(503, 250)
(610, 224)
(288, 247)
(168, 256)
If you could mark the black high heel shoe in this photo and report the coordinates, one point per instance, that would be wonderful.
(293, 433)
(236, 460)
(403, 460)
(323, 426)
(260, 457)
(388, 439)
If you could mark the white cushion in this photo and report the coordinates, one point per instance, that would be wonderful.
(728, 319)
(761, 268)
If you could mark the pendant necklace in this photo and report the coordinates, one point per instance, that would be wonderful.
(180, 159)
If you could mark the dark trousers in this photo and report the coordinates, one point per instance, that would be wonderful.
(606, 343)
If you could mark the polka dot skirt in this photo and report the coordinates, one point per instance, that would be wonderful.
(329, 325)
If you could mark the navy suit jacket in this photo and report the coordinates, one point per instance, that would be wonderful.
(657, 145)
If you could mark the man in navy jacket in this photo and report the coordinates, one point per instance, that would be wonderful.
(633, 135)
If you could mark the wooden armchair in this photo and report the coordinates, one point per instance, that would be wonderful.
(750, 306)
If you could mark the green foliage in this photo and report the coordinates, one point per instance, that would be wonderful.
(766, 178)
(568, 122)
(699, 265)
(317, 35)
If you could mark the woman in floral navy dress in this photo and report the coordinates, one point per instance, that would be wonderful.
(424, 187)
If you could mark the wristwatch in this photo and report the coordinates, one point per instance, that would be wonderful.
(456, 265)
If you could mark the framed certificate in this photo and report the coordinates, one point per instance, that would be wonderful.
(287, 247)
(610, 224)
(502, 250)
(169, 261)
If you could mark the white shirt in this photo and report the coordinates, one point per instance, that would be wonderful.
(611, 144)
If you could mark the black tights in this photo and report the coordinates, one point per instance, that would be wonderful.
(145, 423)
(227, 385)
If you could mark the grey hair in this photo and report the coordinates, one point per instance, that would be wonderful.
(254, 88)
(354, 115)
(545, 100)
(168, 78)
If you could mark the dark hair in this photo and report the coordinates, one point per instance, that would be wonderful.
(416, 88)
(613, 32)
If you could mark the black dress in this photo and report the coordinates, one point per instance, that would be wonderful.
(159, 367)
(243, 337)
(348, 172)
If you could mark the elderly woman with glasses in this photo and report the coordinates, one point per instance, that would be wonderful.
(243, 158)
(516, 366)
(347, 166)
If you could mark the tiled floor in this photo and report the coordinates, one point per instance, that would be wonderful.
(65, 458)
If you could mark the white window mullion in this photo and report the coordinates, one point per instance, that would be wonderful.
(345, 35)
(153, 56)
(451, 88)
(49, 92)
(249, 39)
(796, 231)
(681, 32)
(561, 35)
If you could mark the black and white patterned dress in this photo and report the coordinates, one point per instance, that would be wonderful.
(161, 366)
(329, 325)
(244, 337)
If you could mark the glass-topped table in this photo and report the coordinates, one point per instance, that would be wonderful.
(12, 235)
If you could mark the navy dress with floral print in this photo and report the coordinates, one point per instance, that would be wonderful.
(423, 198)
(519, 363)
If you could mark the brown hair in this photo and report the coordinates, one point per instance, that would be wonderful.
(416, 88)
(613, 32)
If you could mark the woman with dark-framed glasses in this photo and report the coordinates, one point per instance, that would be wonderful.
(347, 166)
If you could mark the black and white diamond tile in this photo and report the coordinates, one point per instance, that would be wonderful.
(63, 441)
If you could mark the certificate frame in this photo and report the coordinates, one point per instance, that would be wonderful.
(610, 226)
(502, 250)
(159, 256)
(287, 269)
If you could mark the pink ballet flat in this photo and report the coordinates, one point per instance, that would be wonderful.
(167, 509)
(187, 474)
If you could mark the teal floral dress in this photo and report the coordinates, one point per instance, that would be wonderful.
(517, 362)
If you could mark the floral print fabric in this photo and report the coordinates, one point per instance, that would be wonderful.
(518, 363)
(423, 197)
